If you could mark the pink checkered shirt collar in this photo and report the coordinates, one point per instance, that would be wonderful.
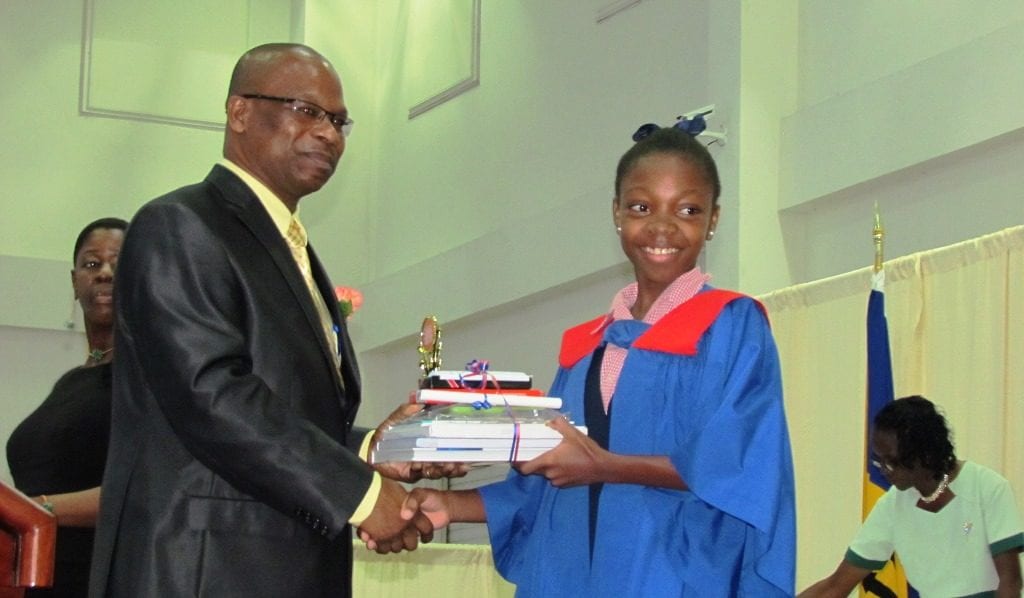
(681, 289)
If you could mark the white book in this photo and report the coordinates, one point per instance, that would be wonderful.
(390, 444)
(438, 396)
(480, 455)
(472, 429)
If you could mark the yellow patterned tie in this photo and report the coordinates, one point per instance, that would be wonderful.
(297, 240)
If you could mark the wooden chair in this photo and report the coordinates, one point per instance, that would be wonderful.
(28, 538)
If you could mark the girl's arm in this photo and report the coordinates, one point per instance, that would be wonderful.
(578, 461)
(444, 507)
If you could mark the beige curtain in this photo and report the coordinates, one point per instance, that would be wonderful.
(441, 570)
(956, 329)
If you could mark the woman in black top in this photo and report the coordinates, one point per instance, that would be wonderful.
(57, 454)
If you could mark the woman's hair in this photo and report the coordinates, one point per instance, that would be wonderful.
(922, 435)
(94, 225)
(670, 140)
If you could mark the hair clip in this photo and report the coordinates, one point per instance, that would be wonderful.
(692, 125)
(644, 131)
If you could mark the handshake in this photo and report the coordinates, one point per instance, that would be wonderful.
(400, 520)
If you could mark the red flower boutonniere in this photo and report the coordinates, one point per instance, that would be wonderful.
(349, 300)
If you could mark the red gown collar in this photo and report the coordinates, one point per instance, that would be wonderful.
(678, 331)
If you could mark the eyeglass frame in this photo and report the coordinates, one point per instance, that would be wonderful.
(344, 128)
(884, 465)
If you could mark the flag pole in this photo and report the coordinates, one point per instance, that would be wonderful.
(890, 580)
(878, 234)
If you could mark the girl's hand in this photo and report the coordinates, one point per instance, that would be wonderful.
(431, 503)
(576, 461)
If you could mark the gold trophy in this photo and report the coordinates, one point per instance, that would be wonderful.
(429, 347)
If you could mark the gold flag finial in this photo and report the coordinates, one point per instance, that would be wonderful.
(878, 234)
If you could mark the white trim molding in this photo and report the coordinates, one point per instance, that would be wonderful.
(464, 85)
(263, 21)
(607, 12)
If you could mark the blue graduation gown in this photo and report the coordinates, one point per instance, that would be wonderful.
(702, 386)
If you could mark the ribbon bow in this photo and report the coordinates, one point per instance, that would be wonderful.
(479, 367)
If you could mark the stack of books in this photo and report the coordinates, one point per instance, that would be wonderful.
(474, 418)
(468, 439)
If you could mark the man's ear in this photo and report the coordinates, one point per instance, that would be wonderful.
(238, 113)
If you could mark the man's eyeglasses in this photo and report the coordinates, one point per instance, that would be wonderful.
(341, 124)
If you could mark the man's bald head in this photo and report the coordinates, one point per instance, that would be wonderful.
(258, 63)
(269, 134)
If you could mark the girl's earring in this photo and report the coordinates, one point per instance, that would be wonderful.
(618, 230)
(70, 322)
(711, 235)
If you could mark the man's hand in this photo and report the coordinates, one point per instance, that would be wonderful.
(414, 471)
(385, 530)
(403, 412)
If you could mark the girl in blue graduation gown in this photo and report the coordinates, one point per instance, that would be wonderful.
(683, 485)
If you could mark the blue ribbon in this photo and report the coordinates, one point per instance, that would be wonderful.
(478, 367)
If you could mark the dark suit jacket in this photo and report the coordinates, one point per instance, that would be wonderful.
(228, 472)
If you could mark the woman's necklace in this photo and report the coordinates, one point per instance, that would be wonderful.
(934, 496)
(96, 355)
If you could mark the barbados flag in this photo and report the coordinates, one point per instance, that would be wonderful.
(891, 581)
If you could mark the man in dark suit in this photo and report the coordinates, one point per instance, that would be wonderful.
(231, 469)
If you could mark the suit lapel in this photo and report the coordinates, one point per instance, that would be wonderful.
(349, 370)
(323, 284)
(252, 214)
